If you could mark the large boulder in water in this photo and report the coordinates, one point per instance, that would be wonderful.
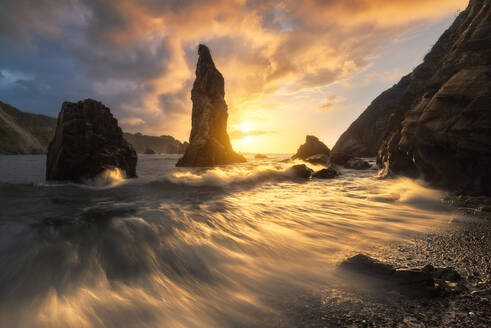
(301, 171)
(328, 173)
(209, 143)
(312, 146)
(87, 142)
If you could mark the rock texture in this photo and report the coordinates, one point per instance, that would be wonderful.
(436, 122)
(328, 173)
(209, 143)
(160, 144)
(318, 159)
(301, 171)
(87, 142)
(24, 133)
(357, 164)
(422, 282)
(312, 146)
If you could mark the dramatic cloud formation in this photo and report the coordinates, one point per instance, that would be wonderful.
(138, 56)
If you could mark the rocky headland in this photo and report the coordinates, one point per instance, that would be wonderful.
(24, 133)
(436, 122)
(209, 143)
(163, 144)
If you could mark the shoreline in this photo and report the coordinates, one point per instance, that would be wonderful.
(465, 246)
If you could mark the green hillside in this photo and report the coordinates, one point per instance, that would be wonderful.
(24, 133)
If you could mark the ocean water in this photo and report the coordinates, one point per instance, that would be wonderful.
(233, 246)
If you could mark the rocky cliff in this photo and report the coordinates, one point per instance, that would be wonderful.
(24, 133)
(209, 143)
(436, 122)
(87, 142)
(163, 144)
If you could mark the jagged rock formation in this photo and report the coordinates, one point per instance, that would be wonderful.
(209, 143)
(163, 144)
(87, 142)
(24, 133)
(436, 122)
(312, 146)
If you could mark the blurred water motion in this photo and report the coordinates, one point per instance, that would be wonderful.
(223, 247)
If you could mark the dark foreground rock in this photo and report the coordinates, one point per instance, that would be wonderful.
(87, 142)
(421, 282)
(357, 164)
(149, 151)
(301, 171)
(209, 143)
(436, 122)
(312, 146)
(327, 173)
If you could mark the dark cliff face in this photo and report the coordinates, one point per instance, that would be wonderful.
(87, 142)
(436, 122)
(209, 143)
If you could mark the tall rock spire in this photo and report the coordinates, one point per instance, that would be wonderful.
(209, 143)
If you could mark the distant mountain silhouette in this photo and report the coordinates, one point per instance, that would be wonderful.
(24, 133)
(163, 144)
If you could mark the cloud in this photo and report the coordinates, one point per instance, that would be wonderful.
(138, 56)
(331, 102)
(239, 134)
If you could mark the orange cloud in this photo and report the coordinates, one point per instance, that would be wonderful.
(142, 53)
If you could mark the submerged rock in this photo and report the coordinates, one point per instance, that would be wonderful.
(357, 164)
(327, 173)
(209, 143)
(260, 156)
(312, 146)
(87, 142)
(427, 281)
(301, 171)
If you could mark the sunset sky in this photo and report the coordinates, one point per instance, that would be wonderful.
(291, 68)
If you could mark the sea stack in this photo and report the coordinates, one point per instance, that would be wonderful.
(209, 143)
(87, 142)
(312, 146)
